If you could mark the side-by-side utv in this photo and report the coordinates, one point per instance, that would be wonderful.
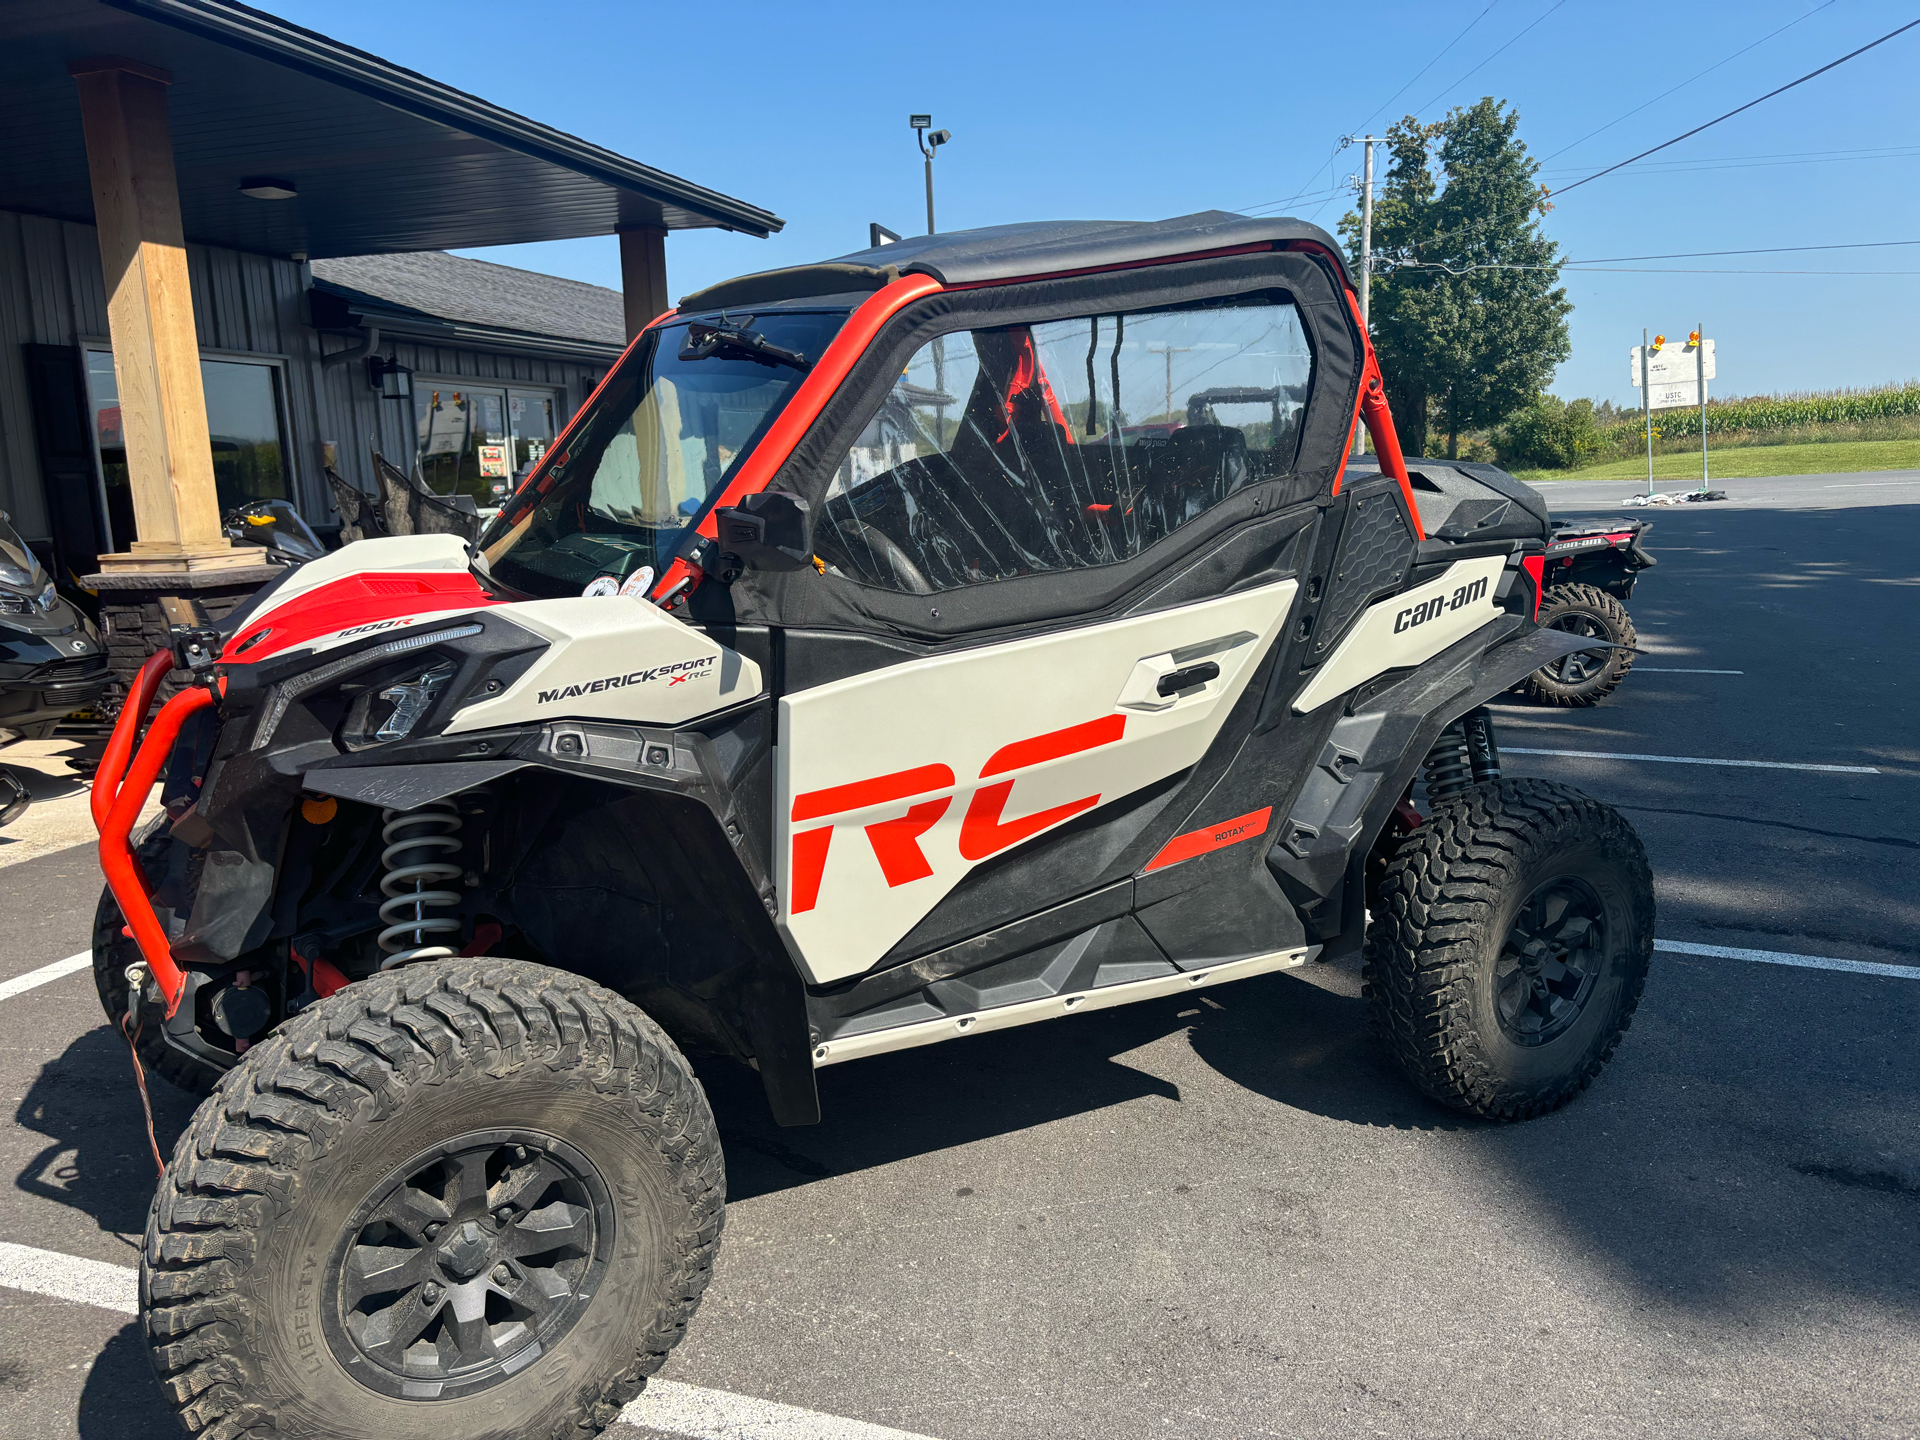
(946, 638)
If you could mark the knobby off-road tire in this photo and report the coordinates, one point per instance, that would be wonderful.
(1581, 679)
(1461, 978)
(114, 951)
(269, 1221)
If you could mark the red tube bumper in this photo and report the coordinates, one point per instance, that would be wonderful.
(120, 790)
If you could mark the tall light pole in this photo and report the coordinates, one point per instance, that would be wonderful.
(928, 144)
(1367, 246)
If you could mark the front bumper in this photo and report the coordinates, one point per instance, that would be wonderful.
(120, 789)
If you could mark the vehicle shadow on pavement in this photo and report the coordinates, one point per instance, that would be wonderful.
(1276, 1036)
(96, 1158)
(120, 1397)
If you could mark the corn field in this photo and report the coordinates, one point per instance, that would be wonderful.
(1751, 413)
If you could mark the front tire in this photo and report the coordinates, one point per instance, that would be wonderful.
(465, 1198)
(1510, 947)
(1587, 677)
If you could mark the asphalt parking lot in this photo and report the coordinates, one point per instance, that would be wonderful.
(1224, 1215)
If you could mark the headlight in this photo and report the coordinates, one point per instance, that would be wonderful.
(49, 598)
(390, 712)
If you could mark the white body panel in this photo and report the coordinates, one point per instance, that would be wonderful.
(382, 554)
(1409, 628)
(614, 657)
(1022, 1013)
(891, 786)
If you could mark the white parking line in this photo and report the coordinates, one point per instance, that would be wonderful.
(1683, 670)
(70, 1278)
(1692, 761)
(683, 1410)
(52, 972)
(670, 1406)
(1788, 958)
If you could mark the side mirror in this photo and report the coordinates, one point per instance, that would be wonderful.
(766, 531)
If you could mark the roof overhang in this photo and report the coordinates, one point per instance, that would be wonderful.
(383, 159)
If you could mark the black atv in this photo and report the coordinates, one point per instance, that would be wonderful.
(1592, 565)
(51, 660)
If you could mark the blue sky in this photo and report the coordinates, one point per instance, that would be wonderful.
(1125, 110)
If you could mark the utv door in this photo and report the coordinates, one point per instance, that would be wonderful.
(1060, 536)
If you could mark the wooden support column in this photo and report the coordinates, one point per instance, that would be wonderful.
(156, 354)
(643, 275)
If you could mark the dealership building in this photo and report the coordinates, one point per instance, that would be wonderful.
(224, 271)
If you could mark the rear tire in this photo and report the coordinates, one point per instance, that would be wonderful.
(1510, 947)
(114, 951)
(1585, 677)
(464, 1198)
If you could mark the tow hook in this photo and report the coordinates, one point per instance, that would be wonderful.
(136, 988)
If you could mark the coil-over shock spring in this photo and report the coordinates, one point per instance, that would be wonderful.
(1463, 753)
(417, 846)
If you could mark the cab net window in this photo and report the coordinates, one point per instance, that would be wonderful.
(1072, 443)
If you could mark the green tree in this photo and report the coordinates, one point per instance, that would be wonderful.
(1466, 314)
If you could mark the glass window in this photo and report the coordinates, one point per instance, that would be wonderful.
(464, 448)
(666, 431)
(1073, 443)
(245, 423)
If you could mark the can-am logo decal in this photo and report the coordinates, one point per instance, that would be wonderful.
(1587, 544)
(1426, 611)
(679, 671)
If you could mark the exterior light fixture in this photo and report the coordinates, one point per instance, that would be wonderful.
(928, 144)
(390, 378)
(265, 187)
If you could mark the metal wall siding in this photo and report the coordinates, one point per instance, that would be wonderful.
(52, 293)
(88, 287)
(17, 455)
(48, 290)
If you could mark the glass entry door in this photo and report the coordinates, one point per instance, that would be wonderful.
(479, 441)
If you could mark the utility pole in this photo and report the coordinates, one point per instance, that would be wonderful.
(1367, 250)
(928, 144)
(1647, 414)
(1701, 380)
(1170, 351)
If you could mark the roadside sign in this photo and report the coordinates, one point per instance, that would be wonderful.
(1675, 373)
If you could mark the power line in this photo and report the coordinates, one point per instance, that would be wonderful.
(1770, 250)
(1537, 20)
(1912, 24)
(1666, 270)
(1432, 63)
(1460, 229)
(1689, 81)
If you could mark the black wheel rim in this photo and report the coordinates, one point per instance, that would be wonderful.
(464, 1266)
(1550, 961)
(1580, 666)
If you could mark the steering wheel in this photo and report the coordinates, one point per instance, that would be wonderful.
(904, 575)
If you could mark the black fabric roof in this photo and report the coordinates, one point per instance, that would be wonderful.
(478, 292)
(1007, 252)
(384, 159)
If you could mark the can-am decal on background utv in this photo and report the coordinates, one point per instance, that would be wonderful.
(892, 650)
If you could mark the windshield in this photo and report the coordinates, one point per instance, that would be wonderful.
(19, 569)
(669, 428)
